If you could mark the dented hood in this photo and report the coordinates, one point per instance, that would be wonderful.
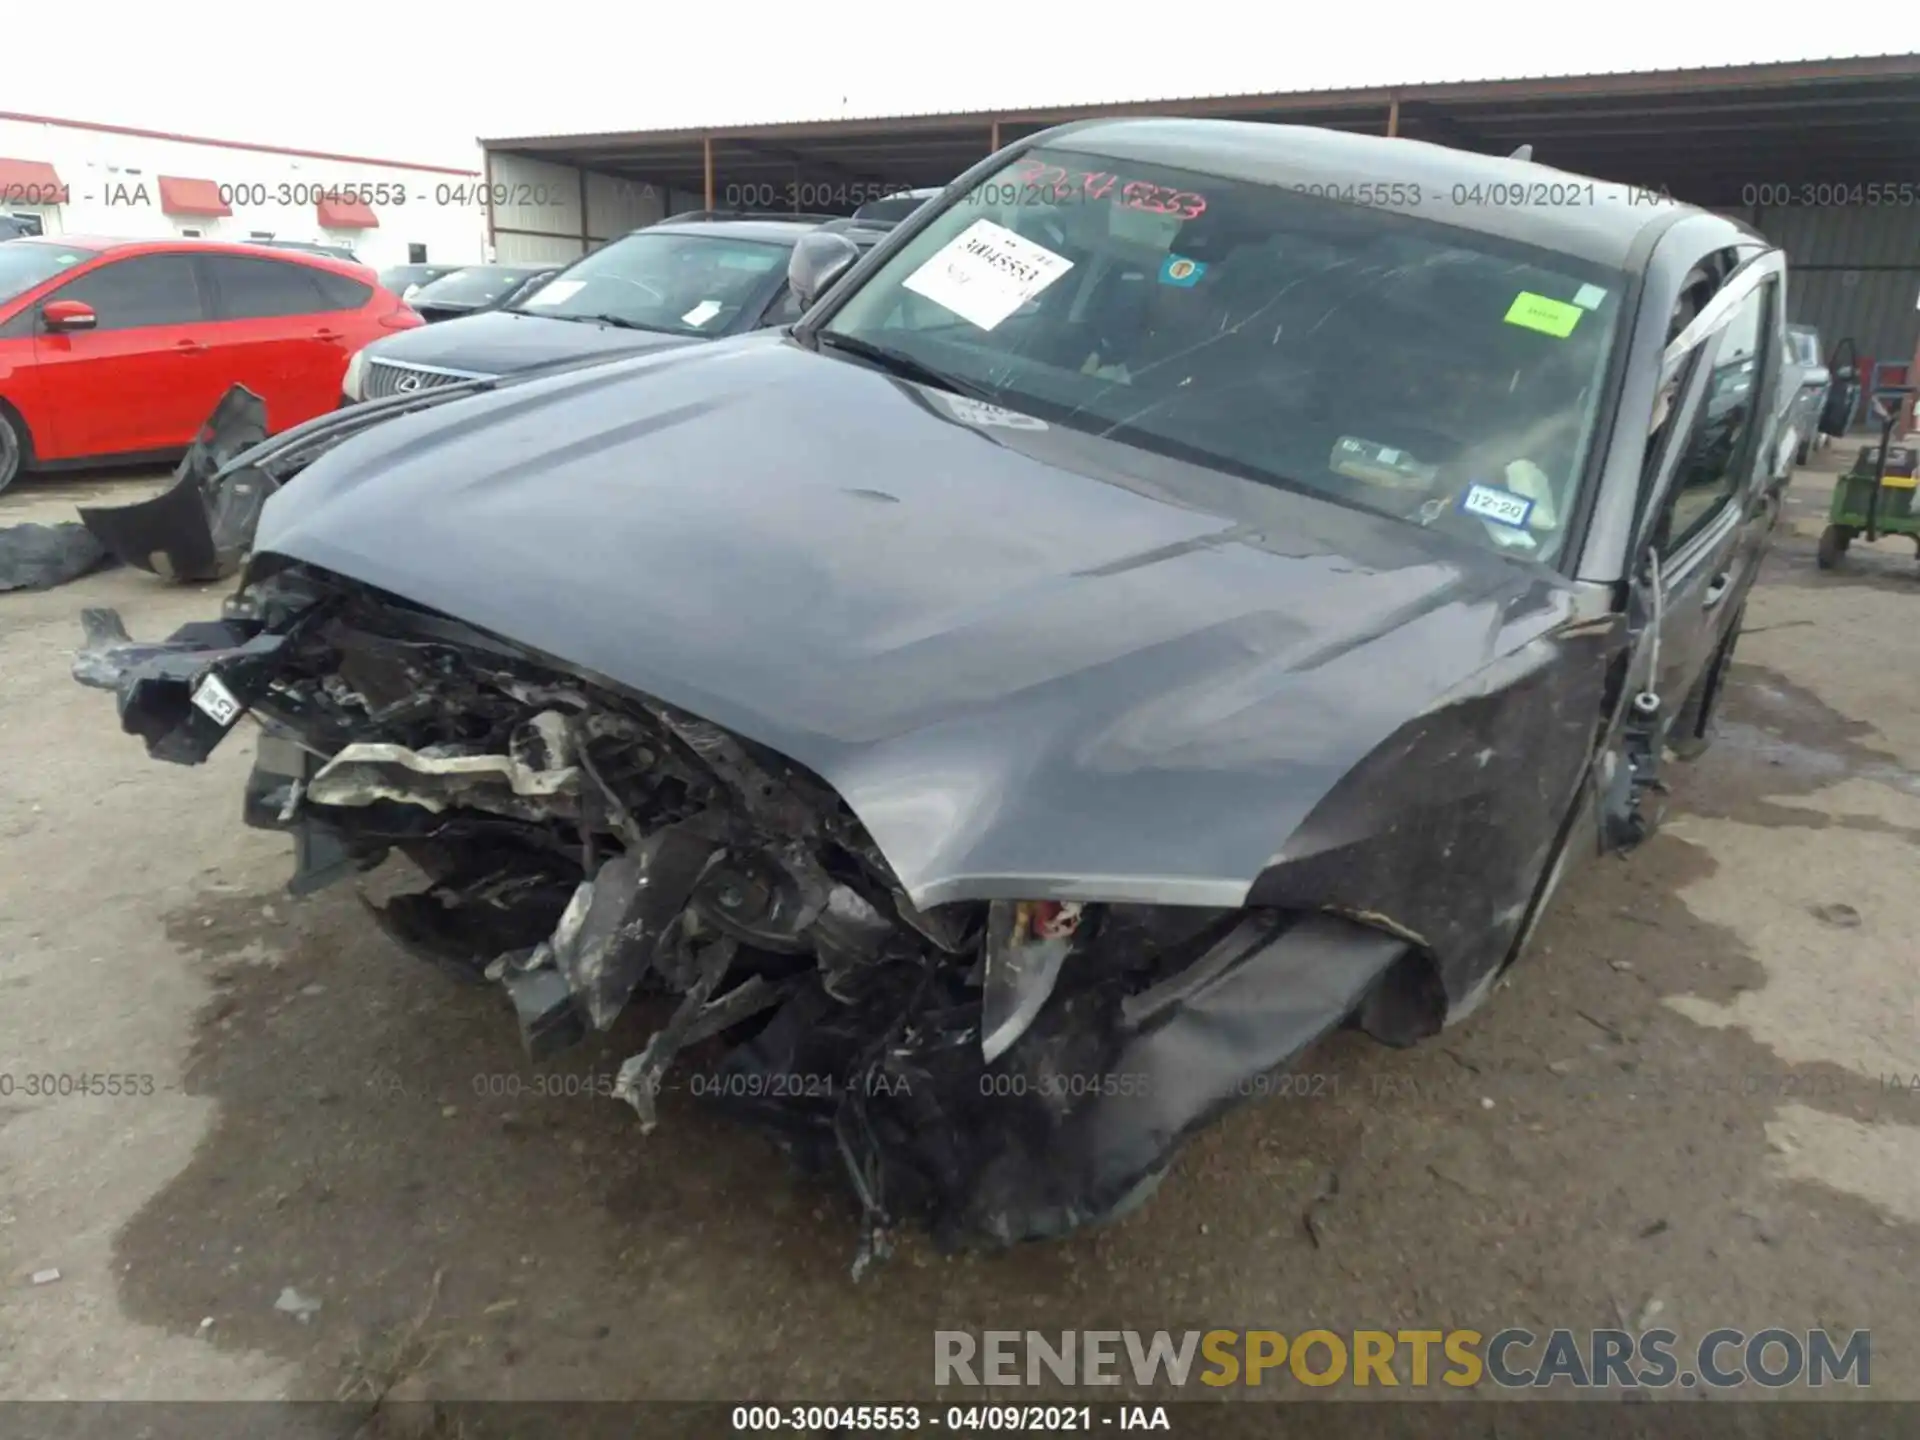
(1032, 661)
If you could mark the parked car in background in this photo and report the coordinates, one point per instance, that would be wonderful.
(1146, 615)
(120, 350)
(527, 286)
(892, 209)
(403, 280)
(313, 247)
(677, 282)
(474, 289)
(1804, 383)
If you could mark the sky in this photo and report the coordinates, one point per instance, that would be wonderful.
(422, 85)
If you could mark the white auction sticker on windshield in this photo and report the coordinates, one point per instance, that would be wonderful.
(986, 273)
(701, 313)
(1502, 507)
(555, 291)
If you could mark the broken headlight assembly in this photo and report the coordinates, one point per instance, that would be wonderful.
(1027, 941)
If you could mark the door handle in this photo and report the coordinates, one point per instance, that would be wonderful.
(190, 347)
(1717, 590)
(326, 334)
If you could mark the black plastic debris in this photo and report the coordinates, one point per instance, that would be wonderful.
(201, 527)
(39, 557)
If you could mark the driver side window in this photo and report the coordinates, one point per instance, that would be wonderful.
(139, 292)
(1718, 450)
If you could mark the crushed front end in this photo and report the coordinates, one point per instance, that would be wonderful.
(1001, 1070)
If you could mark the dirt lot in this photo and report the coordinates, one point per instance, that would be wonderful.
(1683, 1105)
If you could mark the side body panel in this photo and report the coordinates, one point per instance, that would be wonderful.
(125, 388)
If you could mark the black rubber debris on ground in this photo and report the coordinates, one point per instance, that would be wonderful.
(39, 557)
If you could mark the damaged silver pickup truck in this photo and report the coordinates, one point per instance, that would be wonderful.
(1160, 606)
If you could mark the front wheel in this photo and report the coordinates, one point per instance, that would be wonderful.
(13, 447)
(1834, 541)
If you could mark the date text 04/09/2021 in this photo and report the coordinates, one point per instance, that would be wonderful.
(959, 1419)
(1505, 195)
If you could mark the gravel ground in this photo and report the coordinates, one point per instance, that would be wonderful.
(1694, 1100)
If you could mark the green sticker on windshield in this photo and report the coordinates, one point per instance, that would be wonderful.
(1549, 317)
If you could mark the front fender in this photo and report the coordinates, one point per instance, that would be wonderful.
(1443, 834)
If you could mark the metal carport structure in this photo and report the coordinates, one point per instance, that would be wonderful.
(1822, 155)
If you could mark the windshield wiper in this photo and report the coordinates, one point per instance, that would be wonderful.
(905, 366)
(617, 321)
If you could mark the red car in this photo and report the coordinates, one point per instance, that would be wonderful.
(120, 349)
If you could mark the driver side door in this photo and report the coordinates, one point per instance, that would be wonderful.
(136, 383)
(1721, 507)
(1709, 508)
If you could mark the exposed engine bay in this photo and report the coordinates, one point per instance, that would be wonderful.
(1002, 1070)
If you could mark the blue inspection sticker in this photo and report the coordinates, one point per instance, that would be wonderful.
(1179, 270)
(1501, 507)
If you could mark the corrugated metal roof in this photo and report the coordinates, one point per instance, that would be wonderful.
(1712, 135)
(1438, 88)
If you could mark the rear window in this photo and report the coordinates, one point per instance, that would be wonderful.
(250, 289)
(341, 292)
(26, 263)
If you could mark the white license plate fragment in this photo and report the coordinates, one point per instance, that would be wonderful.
(217, 702)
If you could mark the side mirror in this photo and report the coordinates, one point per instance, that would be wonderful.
(820, 258)
(65, 316)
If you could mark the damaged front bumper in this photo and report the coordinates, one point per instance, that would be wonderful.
(201, 527)
(1003, 1071)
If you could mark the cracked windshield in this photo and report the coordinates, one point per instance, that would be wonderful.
(1377, 360)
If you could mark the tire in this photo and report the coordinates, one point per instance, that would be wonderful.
(13, 447)
(1834, 541)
